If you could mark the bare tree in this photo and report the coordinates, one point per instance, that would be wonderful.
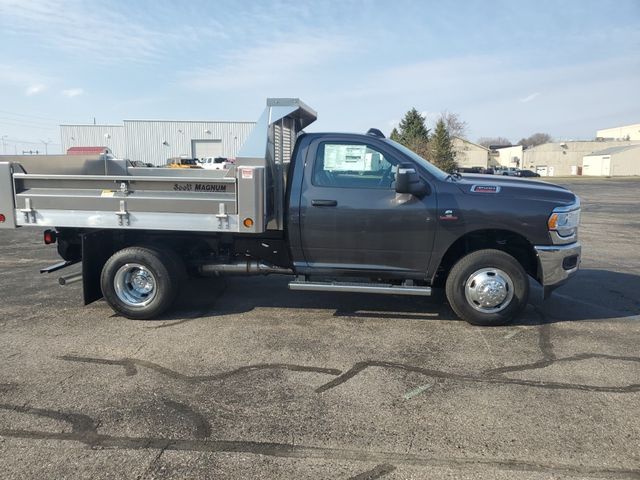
(454, 124)
(535, 139)
(489, 141)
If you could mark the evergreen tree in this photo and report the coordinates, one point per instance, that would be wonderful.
(411, 129)
(395, 135)
(443, 153)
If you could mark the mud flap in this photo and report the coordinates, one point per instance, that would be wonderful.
(97, 247)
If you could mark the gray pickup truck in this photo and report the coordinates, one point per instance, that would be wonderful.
(337, 212)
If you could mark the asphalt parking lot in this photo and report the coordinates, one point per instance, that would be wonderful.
(245, 379)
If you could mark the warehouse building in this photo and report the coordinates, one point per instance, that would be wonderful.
(627, 132)
(565, 158)
(155, 141)
(508, 156)
(469, 154)
(615, 161)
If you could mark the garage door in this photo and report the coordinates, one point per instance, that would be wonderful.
(206, 148)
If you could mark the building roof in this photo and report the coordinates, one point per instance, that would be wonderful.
(584, 145)
(613, 150)
(464, 140)
(86, 150)
(112, 125)
(633, 125)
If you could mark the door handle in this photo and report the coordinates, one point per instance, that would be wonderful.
(324, 203)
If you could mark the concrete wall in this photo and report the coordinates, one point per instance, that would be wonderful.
(620, 133)
(154, 141)
(469, 154)
(559, 157)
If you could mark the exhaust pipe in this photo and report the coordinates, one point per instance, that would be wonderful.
(248, 267)
(69, 279)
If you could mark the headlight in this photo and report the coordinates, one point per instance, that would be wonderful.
(565, 220)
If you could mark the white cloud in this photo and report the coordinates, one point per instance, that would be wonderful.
(528, 98)
(94, 30)
(35, 89)
(23, 77)
(273, 64)
(487, 100)
(73, 92)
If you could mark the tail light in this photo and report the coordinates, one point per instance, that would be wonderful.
(50, 236)
(2, 218)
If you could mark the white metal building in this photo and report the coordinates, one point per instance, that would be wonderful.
(509, 156)
(615, 161)
(627, 132)
(564, 158)
(154, 141)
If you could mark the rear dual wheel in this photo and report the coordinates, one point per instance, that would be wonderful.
(487, 287)
(142, 282)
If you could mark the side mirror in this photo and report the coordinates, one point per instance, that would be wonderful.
(408, 181)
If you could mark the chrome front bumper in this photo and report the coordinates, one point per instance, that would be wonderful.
(557, 263)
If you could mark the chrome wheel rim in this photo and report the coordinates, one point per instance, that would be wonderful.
(489, 290)
(135, 285)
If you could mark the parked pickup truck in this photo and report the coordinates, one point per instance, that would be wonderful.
(338, 212)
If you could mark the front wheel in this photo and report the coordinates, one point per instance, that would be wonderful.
(141, 282)
(487, 287)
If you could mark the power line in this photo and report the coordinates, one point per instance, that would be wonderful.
(28, 142)
(26, 120)
(25, 125)
(31, 116)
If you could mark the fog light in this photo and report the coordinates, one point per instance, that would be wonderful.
(248, 222)
(570, 262)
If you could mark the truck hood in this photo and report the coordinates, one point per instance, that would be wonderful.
(484, 185)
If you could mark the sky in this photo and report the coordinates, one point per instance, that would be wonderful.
(507, 68)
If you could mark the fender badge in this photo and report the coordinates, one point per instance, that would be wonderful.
(485, 188)
(448, 215)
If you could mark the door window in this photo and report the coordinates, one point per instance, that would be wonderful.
(352, 165)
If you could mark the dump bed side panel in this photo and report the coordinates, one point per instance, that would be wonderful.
(7, 205)
(185, 203)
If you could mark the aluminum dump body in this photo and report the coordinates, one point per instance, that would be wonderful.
(103, 192)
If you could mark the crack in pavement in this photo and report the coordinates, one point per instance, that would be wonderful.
(376, 472)
(547, 362)
(130, 365)
(81, 425)
(495, 375)
(284, 450)
(152, 464)
(491, 378)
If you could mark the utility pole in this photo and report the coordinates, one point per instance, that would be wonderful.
(4, 144)
(46, 145)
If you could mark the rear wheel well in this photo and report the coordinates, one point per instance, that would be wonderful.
(510, 242)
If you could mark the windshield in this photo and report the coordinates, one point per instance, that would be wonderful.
(431, 168)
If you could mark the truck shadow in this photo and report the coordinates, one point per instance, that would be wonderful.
(591, 295)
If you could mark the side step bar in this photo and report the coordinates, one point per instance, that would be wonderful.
(360, 288)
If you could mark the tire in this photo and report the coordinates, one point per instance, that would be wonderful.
(488, 287)
(142, 282)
